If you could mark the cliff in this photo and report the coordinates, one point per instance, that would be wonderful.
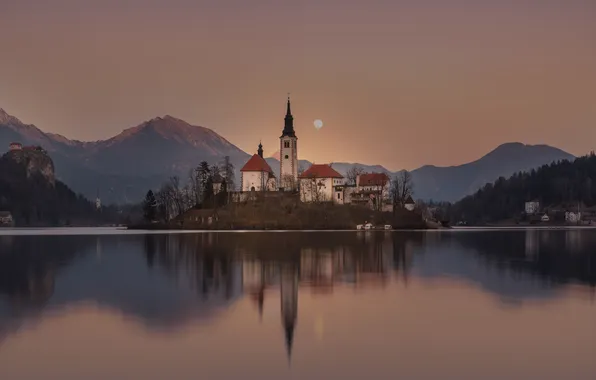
(30, 192)
(35, 161)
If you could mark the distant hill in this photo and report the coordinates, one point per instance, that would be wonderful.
(454, 182)
(564, 182)
(122, 168)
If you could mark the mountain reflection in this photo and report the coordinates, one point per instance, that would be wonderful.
(169, 280)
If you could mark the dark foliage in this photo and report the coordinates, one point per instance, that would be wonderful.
(559, 183)
(150, 207)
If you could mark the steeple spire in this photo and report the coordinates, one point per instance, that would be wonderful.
(260, 150)
(289, 122)
(288, 112)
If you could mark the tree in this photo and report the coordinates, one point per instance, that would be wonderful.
(402, 187)
(227, 172)
(195, 188)
(176, 195)
(352, 175)
(311, 190)
(150, 207)
(288, 182)
(164, 202)
(204, 175)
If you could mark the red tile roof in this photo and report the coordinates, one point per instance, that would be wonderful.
(373, 179)
(257, 164)
(320, 171)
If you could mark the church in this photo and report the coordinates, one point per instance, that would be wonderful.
(257, 175)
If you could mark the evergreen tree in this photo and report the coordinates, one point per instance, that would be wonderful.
(150, 207)
(227, 171)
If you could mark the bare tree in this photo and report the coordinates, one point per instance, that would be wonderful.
(164, 202)
(381, 191)
(288, 181)
(195, 186)
(311, 190)
(352, 175)
(177, 195)
(402, 187)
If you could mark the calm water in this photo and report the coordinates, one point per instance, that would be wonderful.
(312, 305)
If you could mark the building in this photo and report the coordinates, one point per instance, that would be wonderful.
(6, 219)
(218, 182)
(321, 183)
(256, 174)
(375, 182)
(288, 153)
(573, 217)
(532, 207)
(409, 204)
(15, 146)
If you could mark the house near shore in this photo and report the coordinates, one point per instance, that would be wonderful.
(6, 219)
(409, 204)
(532, 207)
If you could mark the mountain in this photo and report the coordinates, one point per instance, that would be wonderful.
(455, 182)
(122, 168)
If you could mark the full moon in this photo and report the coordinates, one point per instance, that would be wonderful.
(318, 124)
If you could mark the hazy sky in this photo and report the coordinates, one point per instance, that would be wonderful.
(397, 82)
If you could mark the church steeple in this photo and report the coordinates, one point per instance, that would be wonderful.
(288, 122)
(260, 150)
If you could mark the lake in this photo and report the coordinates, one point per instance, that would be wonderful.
(458, 304)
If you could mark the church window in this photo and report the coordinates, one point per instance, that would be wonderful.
(286, 145)
(287, 156)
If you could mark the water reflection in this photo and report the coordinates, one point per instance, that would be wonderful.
(164, 282)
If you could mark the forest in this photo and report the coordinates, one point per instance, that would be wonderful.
(560, 183)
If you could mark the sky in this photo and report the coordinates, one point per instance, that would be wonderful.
(400, 83)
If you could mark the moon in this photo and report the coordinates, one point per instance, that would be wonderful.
(318, 124)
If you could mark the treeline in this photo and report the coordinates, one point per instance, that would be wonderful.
(561, 182)
(207, 186)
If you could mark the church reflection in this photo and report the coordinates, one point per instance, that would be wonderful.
(254, 264)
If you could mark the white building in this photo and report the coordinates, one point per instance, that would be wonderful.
(288, 153)
(573, 217)
(321, 183)
(257, 174)
(409, 204)
(5, 218)
(532, 207)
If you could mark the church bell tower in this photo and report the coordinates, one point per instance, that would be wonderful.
(288, 153)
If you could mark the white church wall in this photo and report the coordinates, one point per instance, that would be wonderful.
(316, 189)
(254, 180)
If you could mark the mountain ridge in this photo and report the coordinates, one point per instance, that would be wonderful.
(124, 166)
